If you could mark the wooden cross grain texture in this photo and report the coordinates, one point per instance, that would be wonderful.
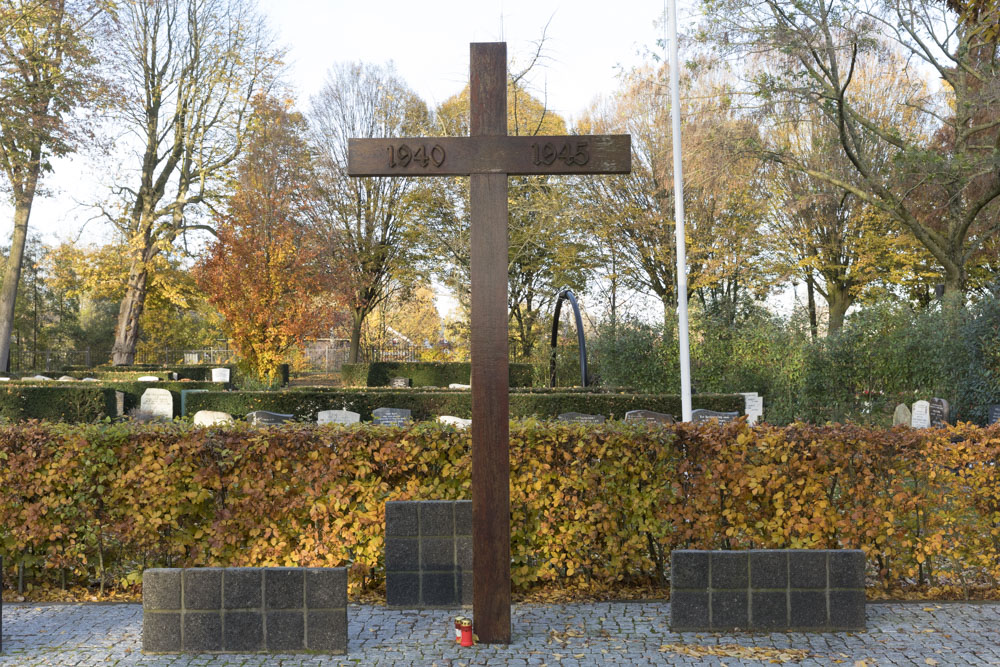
(488, 156)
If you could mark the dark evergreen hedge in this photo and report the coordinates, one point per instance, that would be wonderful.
(423, 373)
(430, 404)
(68, 403)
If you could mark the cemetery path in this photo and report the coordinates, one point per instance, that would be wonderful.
(629, 633)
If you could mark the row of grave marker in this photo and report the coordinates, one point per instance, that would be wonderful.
(218, 375)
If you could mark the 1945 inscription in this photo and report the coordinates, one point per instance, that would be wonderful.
(571, 152)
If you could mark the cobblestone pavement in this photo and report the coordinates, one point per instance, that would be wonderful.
(631, 633)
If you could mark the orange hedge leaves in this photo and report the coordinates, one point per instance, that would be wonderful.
(591, 506)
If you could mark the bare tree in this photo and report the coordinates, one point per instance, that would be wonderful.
(45, 74)
(192, 68)
(366, 220)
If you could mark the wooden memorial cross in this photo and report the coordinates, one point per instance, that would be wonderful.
(488, 156)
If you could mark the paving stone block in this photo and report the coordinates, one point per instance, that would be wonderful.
(284, 588)
(326, 588)
(808, 609)
(729, 570)
(203, 588)
(689, 569)
(401, 518)
(730, 609)
(437, 518)
(202, 631)
(161, 632)
(285, 631)
(768, 569)
(768, 610)
(244, 631)
(327, 631)
(242, 588)
(688, 610)
(807, 568)
(161, 589)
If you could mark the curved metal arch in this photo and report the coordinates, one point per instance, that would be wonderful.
(567, 293)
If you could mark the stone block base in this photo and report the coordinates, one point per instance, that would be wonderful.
(767, 590)
(244, 610)
(428, 553)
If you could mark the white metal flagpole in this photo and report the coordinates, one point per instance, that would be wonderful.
(682, 300)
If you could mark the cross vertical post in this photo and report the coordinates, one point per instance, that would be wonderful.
(489, 352)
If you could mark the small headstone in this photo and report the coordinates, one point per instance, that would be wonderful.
(940, 411)
(39, 377)
(66, 378)
(649, 417)
(455, 385)
(173, 376)
(390, 416)
(337, 417)
(89, 380)
(265, 418)
(701, 415)
(158, 402)
(993, 414)
(220, 375)
(149, 378)
(211, 417)
(190, 358)
(921, 415)
(581, 418)
(902, 415)
(119, 403)
(400, 383)
(4, 379)
(753, 407)
(457, 422)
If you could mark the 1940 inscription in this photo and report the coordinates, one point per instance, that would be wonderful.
(571, 152)
(403, 156)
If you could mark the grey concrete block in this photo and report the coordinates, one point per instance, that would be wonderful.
(202, 631)
(401, 518)
(284, 588)
(463, 580)
(327, 631)
(402, 554)
(326, 588)
(161, 632)
(203, 588)
(729, 570)
(807, 568)
(463, 517)
(285, 631)
(689, 569)
(244, 631)
(768, 610)
(730, 609)
(242, 588)
(808, 609)
(768, 569)
(847, 569)
(847, 610)
(437, 553)
(688, 610)
(402, 590)
(161, 589)
(437, 518)
(463, 554)
(438, 589)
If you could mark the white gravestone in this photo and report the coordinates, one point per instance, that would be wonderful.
(4, 379)
(66, 378)
(753, 407)
(902, 416)
(211, 418)
(457, 422)
(220, 375)
(149, 378)
(158, 402)
(39, 377)
(337, 417)
(921, 415)
(89, 380)
(455, 385)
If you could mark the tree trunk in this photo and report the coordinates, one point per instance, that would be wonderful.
(357, 319)
(811, 299)
(838, 300)
(127, 331)
(12, 276)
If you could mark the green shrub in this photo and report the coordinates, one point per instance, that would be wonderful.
(430, 404)
(76, 403)
(423, 373)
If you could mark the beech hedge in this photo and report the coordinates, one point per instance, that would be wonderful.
(424, 373)
(591, 506)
